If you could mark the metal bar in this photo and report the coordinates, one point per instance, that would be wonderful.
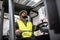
(17, 1)
(38, 4)
(25, 2)
(53, 15)
(1, 22)
(11, 20)
(34, 11)
(53, 18)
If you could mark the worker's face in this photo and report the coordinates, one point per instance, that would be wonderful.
(24, 15)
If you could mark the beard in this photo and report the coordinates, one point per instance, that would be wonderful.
(24, 17)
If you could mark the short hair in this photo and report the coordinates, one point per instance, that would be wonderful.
(23, 11)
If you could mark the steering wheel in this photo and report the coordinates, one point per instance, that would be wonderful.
(43, 26)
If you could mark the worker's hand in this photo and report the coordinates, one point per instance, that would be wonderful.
(17, 32)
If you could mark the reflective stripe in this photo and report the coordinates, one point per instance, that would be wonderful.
(26, 31)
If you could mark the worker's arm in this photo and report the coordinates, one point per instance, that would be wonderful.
(16, 25)
(17, 31)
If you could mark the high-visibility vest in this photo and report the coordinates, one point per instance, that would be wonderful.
(25, 29)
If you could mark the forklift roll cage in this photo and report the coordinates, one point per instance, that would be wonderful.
(10, 7)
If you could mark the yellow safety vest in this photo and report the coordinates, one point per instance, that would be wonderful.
(25, 29)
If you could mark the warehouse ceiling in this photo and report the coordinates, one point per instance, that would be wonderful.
(31, 3)
(28, 5)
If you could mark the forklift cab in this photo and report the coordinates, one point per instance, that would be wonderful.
(10, 13)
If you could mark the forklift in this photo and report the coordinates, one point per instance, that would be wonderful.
(52, 11)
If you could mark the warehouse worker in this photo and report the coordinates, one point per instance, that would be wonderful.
(24, 27)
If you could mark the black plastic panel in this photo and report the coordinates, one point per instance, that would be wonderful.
(53, 15)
